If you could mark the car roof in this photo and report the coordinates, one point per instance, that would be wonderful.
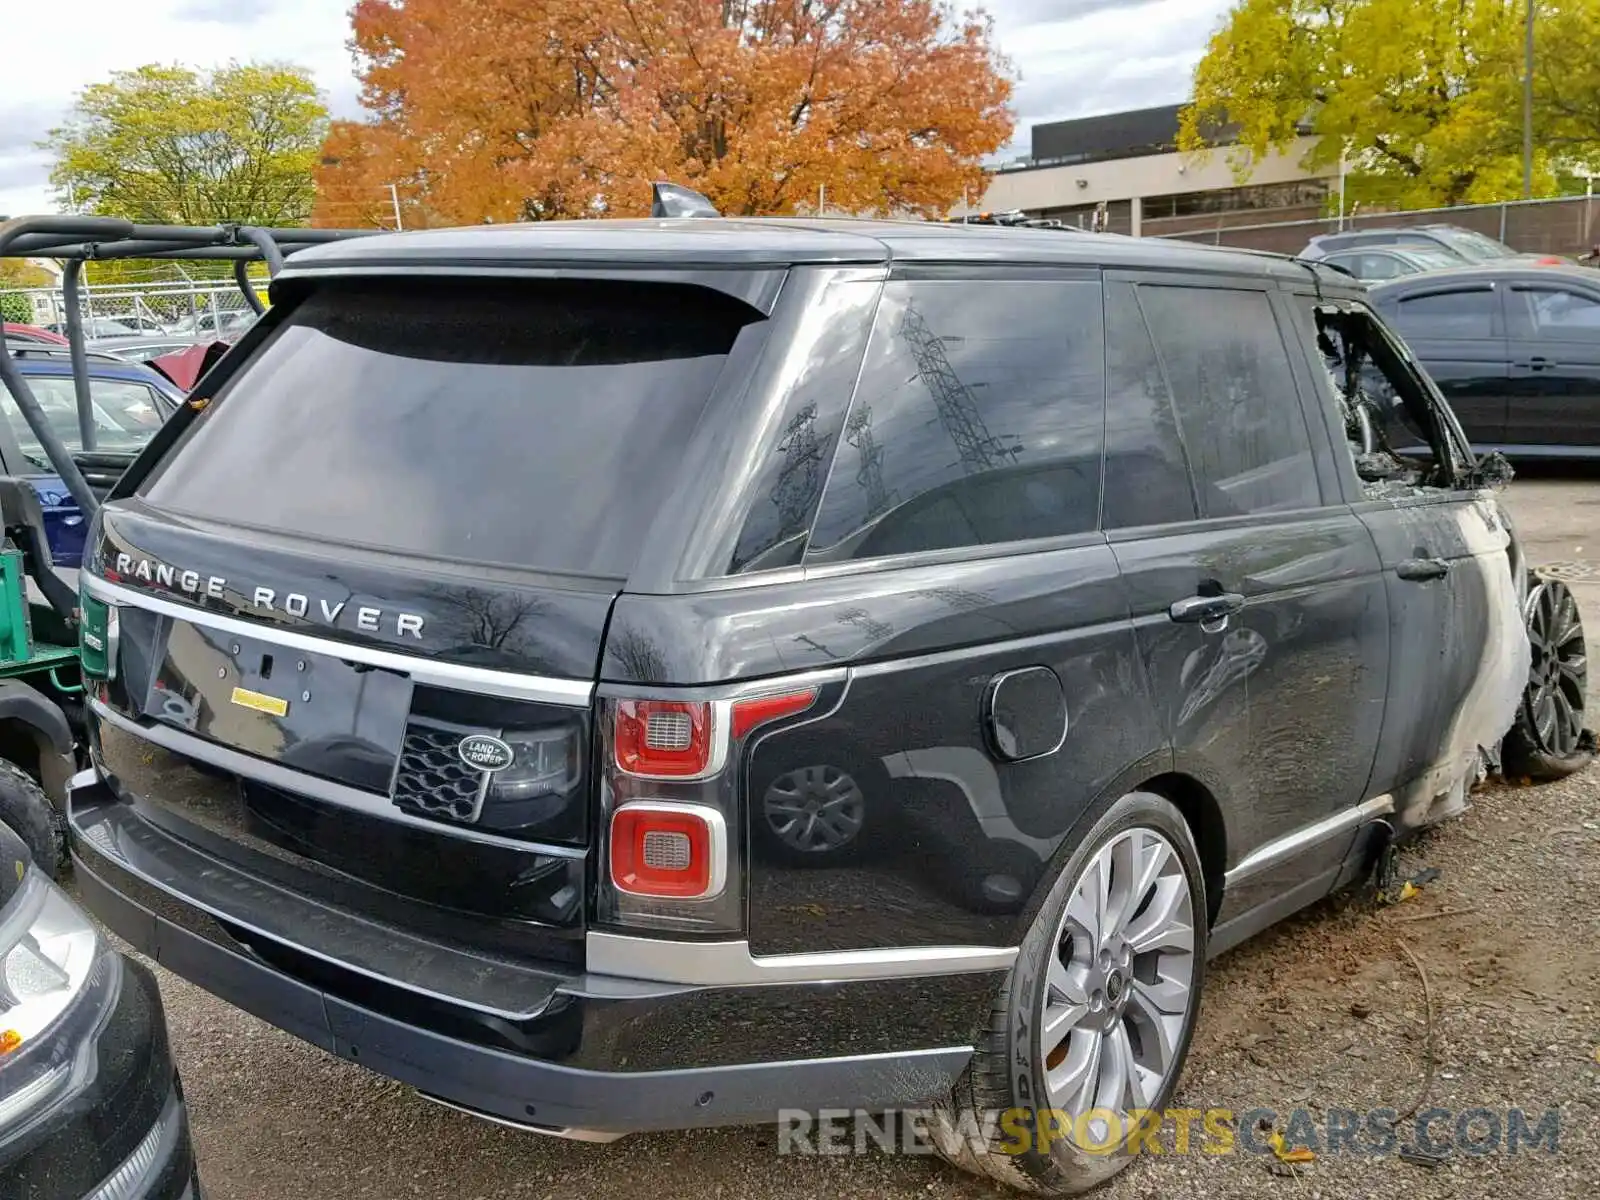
(768, 242)
(1496, 270)
(99, 368)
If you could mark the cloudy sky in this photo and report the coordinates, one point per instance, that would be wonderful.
(1075, 58)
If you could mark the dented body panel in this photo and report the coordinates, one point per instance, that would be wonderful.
(1459, 648)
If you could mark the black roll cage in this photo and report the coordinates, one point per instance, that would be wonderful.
(77, 240)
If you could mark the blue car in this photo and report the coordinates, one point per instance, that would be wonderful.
(130, 403)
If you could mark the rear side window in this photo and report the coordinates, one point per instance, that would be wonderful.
(1147, 476)
(1448, 315)
(532, 424)
(977, 420)
(1239, 412)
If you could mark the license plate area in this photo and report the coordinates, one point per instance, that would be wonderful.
(313, 712)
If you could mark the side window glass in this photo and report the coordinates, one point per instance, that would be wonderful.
(1239, 412)
(978, 420)
(821, 364)
(1463, 314)
(1147, 479)
(1379, 266)
(1562, 314)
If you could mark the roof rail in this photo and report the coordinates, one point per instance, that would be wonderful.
(1016, 219)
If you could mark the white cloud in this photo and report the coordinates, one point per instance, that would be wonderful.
(48, 65)
(1076, 57)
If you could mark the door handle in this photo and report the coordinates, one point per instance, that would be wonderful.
(1205, 609)
(1537, 363)
(1420, 570)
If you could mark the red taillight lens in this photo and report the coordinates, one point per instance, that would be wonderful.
(758, 710)
(1549, 261)
(665, 739)
(670, 851)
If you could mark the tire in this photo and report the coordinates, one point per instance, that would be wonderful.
(1548, 740)
(27, 812)
(1015, 1059)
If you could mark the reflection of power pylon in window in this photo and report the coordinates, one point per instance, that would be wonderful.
(858, 432)
(800, 480)
(979, 449)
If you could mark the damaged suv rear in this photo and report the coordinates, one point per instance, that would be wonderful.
(633, 675)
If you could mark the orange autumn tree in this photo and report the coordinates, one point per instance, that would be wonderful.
(507, 110)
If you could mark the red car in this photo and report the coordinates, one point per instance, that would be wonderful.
(32, 335)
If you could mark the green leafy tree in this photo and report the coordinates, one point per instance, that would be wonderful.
(1421, 100)
(167, 144)
(15, 307)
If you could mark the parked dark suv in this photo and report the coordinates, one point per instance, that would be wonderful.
(1515, 349)
(627, 675)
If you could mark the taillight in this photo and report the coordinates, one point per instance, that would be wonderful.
(672, 813)
(666, 850)
(666, 739)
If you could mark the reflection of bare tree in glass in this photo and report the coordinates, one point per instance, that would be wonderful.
(487, 619)
(979, 449)
(875, 630)
(639, 657)
(812, 642)
(858, 432)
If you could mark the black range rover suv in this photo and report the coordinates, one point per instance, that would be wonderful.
(627, 675)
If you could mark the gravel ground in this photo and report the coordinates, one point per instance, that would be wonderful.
(1324, 1012)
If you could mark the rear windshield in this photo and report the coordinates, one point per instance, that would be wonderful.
(533, 424)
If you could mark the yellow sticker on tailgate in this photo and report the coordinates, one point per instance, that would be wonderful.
(260, 701)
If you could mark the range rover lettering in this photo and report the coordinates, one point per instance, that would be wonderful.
(619, 675)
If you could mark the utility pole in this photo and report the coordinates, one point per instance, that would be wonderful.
(1527, 107)
(394, 196)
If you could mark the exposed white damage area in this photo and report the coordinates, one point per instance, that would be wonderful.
(1490, 706)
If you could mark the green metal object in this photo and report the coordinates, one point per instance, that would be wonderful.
(16, 627)
(19, 653)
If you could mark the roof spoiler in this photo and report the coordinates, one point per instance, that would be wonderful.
(674, 200)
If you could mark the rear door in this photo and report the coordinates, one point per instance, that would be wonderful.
(1458, 333)
(1258, 597)
(1554, 331)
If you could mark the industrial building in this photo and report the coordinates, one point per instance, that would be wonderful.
(1127, 167)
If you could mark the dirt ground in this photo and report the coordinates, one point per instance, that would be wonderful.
(1324, 1012)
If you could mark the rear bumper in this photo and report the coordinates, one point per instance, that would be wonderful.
(606, 1055)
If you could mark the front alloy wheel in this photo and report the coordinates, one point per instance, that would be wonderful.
(1093, 1023)
(1549, 740)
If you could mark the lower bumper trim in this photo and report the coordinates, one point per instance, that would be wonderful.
(527, 1092)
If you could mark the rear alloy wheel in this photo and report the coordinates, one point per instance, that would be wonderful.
(1549, 740)
(1094, 1021)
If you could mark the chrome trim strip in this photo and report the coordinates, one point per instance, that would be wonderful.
(567, 1133)
(939, 658)
(270, 773)
(1282, 849)
(574, 693)
(730, 964)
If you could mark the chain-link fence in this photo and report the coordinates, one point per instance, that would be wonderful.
(178, 307)
(1566, 225)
